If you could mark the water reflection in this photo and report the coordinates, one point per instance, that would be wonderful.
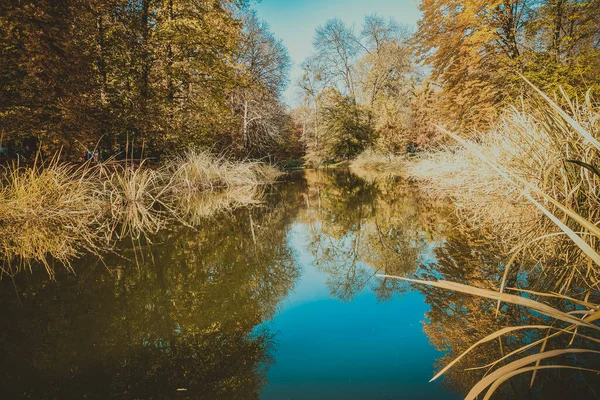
(456, 321)
(169, 320)
(360, 228)
(273, 301)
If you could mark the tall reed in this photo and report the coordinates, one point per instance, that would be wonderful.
(50, 209)
(56, 211)
(541, 160)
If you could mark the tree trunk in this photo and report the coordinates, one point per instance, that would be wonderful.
(101, 59)
(558, 16)
(170, 85)
(245, 127)
(144, 90)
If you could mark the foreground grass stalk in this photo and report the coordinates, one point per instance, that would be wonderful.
(538, 164)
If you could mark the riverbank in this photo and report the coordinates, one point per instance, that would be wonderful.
(532, 185)
(536, 166)
(54, 211)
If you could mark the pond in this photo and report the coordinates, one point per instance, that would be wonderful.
(276, 301)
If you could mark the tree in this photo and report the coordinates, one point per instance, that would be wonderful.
(312, 84)
(266, 66)
(472, 46)
(48, 82)
(386, 64)
(348, 84)
(335, 50)
(475, 48)
(345, 126)
(152, 74)
(563, 38)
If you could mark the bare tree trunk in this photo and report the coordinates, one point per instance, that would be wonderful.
(101, 59)
(245, 126)
(316, 125)
(558, 16)
(146, 56)
(170, 85)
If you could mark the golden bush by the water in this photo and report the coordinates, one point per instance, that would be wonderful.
(370, 160)
(201, 171)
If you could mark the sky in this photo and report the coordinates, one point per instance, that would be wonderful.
(295, 21)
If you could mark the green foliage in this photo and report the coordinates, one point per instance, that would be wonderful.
(345, 128)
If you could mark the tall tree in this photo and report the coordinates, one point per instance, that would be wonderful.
(471, 45)
(76, 73)
(336, 49)
(266, 66)
(476, 47)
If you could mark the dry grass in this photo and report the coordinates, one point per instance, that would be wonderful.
(389, 164)
(203, 184)
(47, 210)
(532, 151)
(136, 199)
(56, 211)
(539, 162)
(197, 172)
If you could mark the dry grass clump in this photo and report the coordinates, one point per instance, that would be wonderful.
(202, 184)
(48, 210)
(545, 157)
(57, 211)
(197, 172)
(135, 199)
(538, 150)
(370, 160)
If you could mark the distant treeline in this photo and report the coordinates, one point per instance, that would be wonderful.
(157, 75)
(384, 86)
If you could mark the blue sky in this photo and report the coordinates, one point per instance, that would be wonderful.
(295, 21)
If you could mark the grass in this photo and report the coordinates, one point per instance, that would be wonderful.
(370, 160)
(537, 163)
(47, 210)
(534, 179)
(202, 184)
(197, 172)
(136, 199)
(55, 211)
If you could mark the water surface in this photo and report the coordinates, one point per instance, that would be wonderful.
(279, 301)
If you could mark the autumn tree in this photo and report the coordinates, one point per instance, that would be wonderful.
(311, 86)
(345, 128)
(476, 48)
(257, 100)
(563, 46)
(48, 79)
(336, 49)
(356, 86)
(156, 75)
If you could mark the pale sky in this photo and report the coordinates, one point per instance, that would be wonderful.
(295, 22)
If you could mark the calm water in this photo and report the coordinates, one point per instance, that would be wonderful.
(278, 301)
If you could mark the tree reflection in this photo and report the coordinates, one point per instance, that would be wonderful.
(358, 228)
(457, 320)
(182, 317)
(176, 319)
